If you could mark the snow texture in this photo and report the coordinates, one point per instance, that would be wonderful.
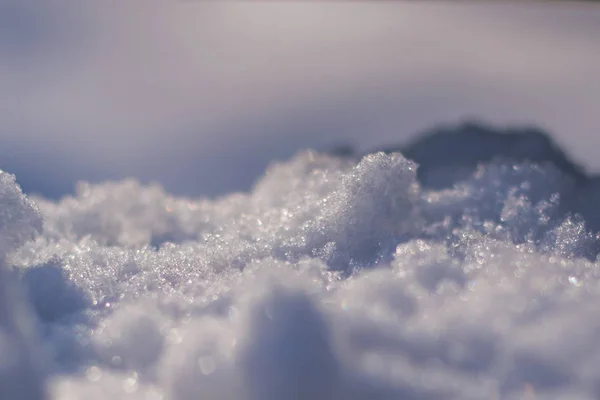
(331, 279)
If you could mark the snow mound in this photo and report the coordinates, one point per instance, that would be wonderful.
(331, 279)
(21, 361)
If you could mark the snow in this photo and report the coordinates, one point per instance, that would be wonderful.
(333, 278)
(21, 364)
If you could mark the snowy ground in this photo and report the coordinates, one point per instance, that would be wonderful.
(333, 278)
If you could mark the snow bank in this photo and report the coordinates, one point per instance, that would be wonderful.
(330, 280)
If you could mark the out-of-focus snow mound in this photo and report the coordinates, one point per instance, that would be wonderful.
(331, 279)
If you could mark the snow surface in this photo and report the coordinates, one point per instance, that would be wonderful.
(331, 279)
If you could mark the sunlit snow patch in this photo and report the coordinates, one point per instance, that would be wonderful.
(329, 280)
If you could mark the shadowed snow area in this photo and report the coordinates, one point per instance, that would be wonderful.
(334, 278)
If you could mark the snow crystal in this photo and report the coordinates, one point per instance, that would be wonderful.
(331, 279)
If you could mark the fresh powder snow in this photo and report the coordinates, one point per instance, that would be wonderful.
(333, 279)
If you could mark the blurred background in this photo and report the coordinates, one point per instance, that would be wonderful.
(201, 96)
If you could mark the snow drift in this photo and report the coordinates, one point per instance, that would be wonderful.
(333, 278)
